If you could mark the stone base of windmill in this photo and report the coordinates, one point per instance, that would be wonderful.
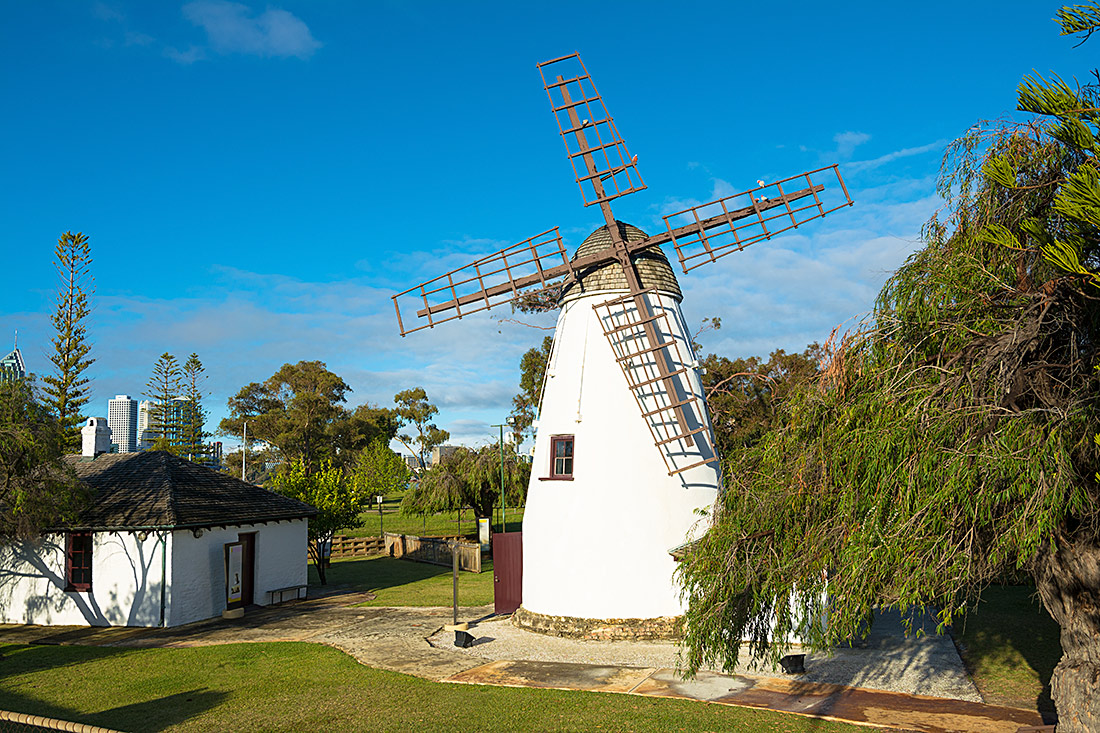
(600, 629)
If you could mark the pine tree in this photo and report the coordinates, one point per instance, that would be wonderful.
(163, 388)
(194, 416)
(66, 390)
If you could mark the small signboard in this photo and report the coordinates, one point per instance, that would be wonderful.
(234, 568)
(483, 533)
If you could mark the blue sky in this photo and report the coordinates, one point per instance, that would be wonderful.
(258, 179)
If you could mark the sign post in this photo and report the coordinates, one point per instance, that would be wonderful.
(483, 533)
(378, 498)
(234, 567)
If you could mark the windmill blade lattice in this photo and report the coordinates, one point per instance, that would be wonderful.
(704, 233)
(525, 268)
(677, 420)
(602, 165)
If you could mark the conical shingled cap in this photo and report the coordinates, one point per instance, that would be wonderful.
(651, 263)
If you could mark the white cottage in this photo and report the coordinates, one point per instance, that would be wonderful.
(150, 549)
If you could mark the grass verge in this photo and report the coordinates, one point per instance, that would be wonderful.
(407, 583)
(442, 524)
(292, 686)
(1010, 646)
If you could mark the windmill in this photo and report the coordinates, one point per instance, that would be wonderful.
(603, 509)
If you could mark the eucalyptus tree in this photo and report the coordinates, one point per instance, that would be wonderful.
(532, 374)
(415, 411)
(299, 411)
(951, 441)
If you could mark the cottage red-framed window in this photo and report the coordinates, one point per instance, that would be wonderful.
(561, 456)
(78, 561)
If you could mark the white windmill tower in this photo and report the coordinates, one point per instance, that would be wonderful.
(624, 464)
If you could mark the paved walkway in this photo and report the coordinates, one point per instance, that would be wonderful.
(396, 639)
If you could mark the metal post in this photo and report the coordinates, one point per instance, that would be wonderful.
(454, 573)
(244, 451)
(503, 511)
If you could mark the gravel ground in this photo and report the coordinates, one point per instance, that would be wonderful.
(885, 660)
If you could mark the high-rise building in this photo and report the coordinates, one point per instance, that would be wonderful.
(122, 418)
(144, 436)
(12, 367)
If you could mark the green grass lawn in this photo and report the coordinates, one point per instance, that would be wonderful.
(444, 523)
(1010, 645)
(308, 687)
(407, 583)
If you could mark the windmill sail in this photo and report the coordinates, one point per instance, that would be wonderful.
(602, 165)
(525, 268)
(709, 231)
(671, 405)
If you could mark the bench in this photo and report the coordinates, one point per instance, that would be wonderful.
(280, 592)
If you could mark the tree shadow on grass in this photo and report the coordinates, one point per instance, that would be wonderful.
(1008, 629)
(151, 715)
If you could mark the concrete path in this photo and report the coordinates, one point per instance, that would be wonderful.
(396, 639)
(886, 660)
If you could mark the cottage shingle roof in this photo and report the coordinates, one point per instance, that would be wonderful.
(651, 264)
(158, 489)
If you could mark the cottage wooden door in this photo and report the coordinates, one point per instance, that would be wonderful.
(248, 568)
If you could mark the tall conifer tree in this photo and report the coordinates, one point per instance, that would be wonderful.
(66, 389)
(194, 416)
(162, 389)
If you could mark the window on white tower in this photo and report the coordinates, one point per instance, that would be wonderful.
(561, 456)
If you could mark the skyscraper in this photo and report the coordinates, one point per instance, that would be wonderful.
(122, 418)
(145, 422)
(12, 367)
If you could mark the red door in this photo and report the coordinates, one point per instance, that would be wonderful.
(248, 568)
(507, 571)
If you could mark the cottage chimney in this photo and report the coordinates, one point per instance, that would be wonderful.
(95, 437)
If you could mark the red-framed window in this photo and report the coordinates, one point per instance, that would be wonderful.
(561, 456)
(78, 561)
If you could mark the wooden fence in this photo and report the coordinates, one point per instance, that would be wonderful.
(356, 546)
(434, 550)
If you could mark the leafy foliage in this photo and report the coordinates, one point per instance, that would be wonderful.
(339, 501)
(952, 439)
(380, 471)
(298, 410)
(532, 375)
(37, 490)
(414, 410)
(469, 478)
(66, 388)
(745, 395)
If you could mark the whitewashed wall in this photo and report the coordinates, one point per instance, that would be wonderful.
(127, 576)
(198, 581)
(126, 582)
(598, 546)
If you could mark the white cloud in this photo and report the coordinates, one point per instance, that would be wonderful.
(190, 56)
(232, 28)
(862, 165)
(134, 38)
(847, 142)
(105, 11)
